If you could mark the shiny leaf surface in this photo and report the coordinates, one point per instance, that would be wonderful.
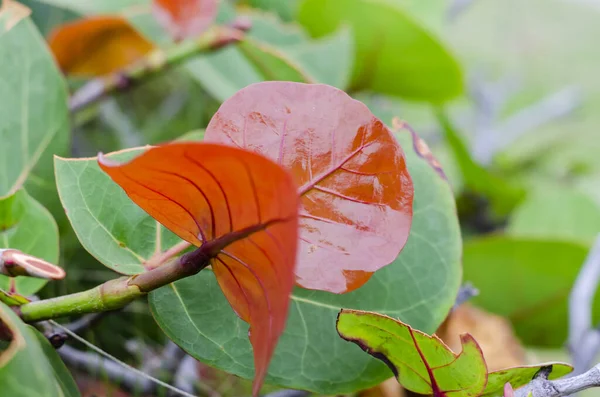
(185, 18)
(243, 204)
(33, 112)
(30, 367)
(421, 363)
(27, 226)
(353, 181)
(98, 45)
(419, 287)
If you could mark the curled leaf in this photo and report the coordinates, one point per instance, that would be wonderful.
(422, 363)
(185, 18)
(16, 263)
(354, 186)
(96, 46)
(235, 200)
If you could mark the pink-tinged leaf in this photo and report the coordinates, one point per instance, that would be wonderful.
(185, 18)
(16, 263)
(238, 201)
(354, 186)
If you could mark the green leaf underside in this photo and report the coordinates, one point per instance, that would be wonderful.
(520, 376)
(419, 287)
(533, 277)
(393, 54)
(35, 369)
(108, 224)
(34, 108)
(33, 232)
(421, 363)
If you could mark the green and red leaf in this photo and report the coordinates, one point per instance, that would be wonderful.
(422, 363)
(354, 186)
(238, 201)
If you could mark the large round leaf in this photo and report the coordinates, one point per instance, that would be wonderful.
(27, 226)
(30, 366)
(34, 108)
(393, 54)
(118, 233)
(526, 280)
(419, 287)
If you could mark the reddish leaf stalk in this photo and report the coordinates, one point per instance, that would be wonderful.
(156, 62)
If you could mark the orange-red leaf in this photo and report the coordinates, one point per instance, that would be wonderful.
(96, 46)
(185, 18)
(214, 193)
(355, 189)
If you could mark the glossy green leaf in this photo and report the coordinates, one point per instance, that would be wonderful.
(27, 226)
(520, 376)
(419, 287)
(269, 29)
(422, 363)
(557, 213)
(34, 112)
(30, 367)
(393, 54)
(527, 281)
(108, 224)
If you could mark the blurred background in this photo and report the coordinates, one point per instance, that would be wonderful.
(505, 93)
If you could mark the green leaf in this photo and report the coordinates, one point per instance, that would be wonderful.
(329, 60)
(520, 376)
(393, 54)
(30, 229)
(419, 287)
(196, 135)
(269, 29)
(422, 364)
(34, 111)
(557, 213)
(30, 367)
(528, 282)
(286, 9)
(108, 224)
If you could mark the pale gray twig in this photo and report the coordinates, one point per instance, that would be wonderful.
(465, 293)
(542, 387)
(584, 338)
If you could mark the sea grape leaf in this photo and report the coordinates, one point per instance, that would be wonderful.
(27, 226)
(115, 231)
(393, 53)
(242, 203)
(520, 376)
(97, 45)
(528, 281)
(30, 367)
(419, 287)
(353, 180)
(421, 363)
(556, 213)
(36, 113)
(185, 18)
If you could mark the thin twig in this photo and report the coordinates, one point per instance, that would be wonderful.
(132, 378)
(542, 387)
(465, 293)
(584, 338)
(288, 393)
(157, 61)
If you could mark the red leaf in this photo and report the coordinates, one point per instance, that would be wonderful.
(355, 188)
(96, 46)
(185, 18)
(234, 198)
